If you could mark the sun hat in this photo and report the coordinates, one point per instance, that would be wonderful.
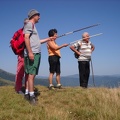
(32, 13)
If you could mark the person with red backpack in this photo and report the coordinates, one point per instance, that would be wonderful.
(18, 40)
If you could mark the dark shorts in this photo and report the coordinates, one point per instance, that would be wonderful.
(32, 67)
(54, 64)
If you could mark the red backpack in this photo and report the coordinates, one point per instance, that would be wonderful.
(17, 43)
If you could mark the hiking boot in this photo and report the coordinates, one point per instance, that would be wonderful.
(59, 86)
(33, 100)
(27, 97)
(51, 87)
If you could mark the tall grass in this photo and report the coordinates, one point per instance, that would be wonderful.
(70, 103)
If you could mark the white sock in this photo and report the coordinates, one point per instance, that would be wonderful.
(31, 93)
(26, 91)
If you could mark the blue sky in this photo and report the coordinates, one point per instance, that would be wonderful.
(65, 16)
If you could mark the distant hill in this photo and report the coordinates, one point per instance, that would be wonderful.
(100, 81)
(6, 75)
(71, 80)
(4, 82)
(11, 77)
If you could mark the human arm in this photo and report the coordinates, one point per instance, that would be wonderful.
(74, 50)
(92, 47)
(28, 31)
(47, 39)
(56, 47)
(28, 47)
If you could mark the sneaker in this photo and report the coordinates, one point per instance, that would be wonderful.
(27, 97)
(59, 86)
(51, 87)
(33, 100)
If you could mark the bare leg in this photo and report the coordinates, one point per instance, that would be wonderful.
(32, 98)
(51, 78)
(29, 85)
(58, 78)
(31, 82)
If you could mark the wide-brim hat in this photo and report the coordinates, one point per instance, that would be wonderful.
(32, 13)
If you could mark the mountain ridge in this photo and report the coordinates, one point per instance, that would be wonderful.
(71, 80)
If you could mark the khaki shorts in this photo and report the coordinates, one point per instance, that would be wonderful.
(32, 67)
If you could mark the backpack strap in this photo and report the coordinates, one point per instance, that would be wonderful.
(32, 30)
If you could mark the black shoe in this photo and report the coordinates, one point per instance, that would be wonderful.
(33, 100)
(27, 97)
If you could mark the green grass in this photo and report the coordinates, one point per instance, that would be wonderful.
(70, 103)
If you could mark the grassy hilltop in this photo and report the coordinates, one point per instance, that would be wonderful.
(70, 103)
